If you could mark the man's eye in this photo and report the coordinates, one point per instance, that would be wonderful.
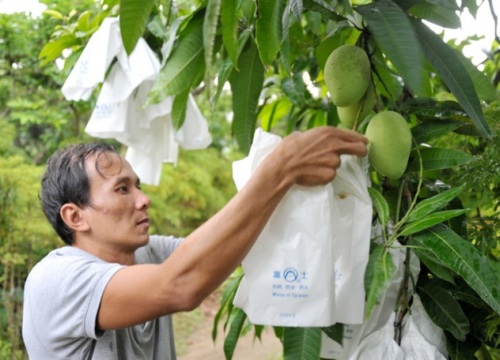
(122, 189)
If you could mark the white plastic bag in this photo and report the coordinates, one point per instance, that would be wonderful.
(379, 345)
(289, 274)
(148, 164)
(121, 112)
(422, 339)
(290, 271)
(352, 217)
(90, 69)
(193, 133)
(381, 313)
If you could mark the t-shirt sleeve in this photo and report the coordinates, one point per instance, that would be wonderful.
(63, 296)
(95, 300)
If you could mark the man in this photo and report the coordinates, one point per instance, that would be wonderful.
(108, 294)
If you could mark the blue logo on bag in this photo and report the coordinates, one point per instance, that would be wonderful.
(290, 274)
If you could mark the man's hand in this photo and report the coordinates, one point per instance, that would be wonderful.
(312, 157)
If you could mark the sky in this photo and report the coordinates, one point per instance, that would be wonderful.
(483, 25)
(11, 6)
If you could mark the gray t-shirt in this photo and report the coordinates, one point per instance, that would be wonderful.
(61, 300)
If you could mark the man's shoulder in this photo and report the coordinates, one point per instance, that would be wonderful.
(67, 262)
(66, 254)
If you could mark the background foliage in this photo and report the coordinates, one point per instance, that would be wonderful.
(270, 54)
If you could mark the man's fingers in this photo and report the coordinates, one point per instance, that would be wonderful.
(351, 136)
(354, 148)
(352, 143)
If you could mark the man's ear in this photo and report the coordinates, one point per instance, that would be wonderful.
(72, 216)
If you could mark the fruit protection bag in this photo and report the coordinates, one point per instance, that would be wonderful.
(357, 335)
(352, 222)
(122, 112)
(290, 273)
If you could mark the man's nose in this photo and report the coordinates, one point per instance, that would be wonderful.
(143, 201)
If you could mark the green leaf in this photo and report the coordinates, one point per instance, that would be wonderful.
(54, 49)
(436, 14)
(229, 22)
(454, 74)
(279, 331)
(246, 86)
(84, 21)
(434, 203)
(495, 266)
(407, 4)
(423, 133)
(461, 350)
(388, 84)
(274, 111)
(465, 260)
(324, 8)
(210, 30)
(325, 48)
(285, 41)
(380, 204)
(335, 332)
(234, 333)
(258, 329)
(157, 28)
(296, 7)
(437, 159)
(396, 37)
(436, 267)
(226, 305)
(226, 69)
(302, 343)
(179, 71)
(447, 4)
(465, 294)
(179, 109)
(53, 13)
(444, 310)
(295, 89)
(242, 41)
(167, 46)
(268, 29)
(483, 85)
(428, 108)
(430, 220)
(134, 16)
(379, 272)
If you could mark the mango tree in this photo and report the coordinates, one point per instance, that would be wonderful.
(272, 58)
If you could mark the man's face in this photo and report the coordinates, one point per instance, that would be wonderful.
(117, 213)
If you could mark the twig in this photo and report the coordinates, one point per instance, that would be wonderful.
(495, 20)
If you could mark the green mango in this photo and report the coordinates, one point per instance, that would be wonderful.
(354, 114)
(347, 74)
(389, 145)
